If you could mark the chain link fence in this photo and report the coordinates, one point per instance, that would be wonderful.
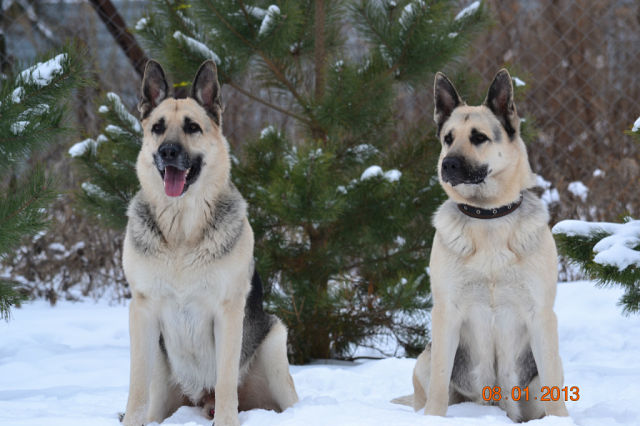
(579, 60)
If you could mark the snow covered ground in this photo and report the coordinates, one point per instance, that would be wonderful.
(68, 365)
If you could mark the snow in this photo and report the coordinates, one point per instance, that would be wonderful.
(392, 175)
(69, 365)
(469, 10)
(518, 82)
(142, 24)
(598, 173)
(197, 46)
(579, 189)
(93, 190)
(57, 247)
(616, 249)
(572, 228)
(407, 15)
(256, 12)
(122, 112)
(114, 130)
(550, 195)
(42, 73)
(80, 148)
(103, 109)
(636, 125)
(18, 127)
(267, 21)
(36, 110)
(17, 94)
(370, 172)
(267, 131)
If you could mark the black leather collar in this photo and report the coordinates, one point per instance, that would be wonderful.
(479, 213)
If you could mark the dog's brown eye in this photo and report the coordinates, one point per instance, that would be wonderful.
(158, 128)
(193, 127)
(477, 138)
(448, 139)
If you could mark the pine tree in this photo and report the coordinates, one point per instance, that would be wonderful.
(32, 109)
(606, 252)
(341, 214)
(109, 163)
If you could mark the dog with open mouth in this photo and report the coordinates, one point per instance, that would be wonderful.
(199, 334)
(493, 267)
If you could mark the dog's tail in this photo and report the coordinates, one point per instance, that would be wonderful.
(404, 400)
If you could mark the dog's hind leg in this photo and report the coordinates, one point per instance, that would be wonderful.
(421, 374)
(270, 371)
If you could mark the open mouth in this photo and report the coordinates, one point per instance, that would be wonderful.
(177, 180)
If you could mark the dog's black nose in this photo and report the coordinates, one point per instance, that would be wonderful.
(169, 151)
(451, 164)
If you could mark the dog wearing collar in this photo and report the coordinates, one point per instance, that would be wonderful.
(493, 267)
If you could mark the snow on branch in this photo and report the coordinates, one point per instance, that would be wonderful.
(616, 249)
(123, 113)
(267, 22)
(409, 13)
(392, 175)
(43, 73)
(197, 47)
(467, 11)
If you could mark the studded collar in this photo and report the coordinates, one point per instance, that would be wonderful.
(480, 213)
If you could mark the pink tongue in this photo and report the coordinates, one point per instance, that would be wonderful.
(174, 180)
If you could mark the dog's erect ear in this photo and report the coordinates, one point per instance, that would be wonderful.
(446, 99)
(154, 88)
(500, 101)
(206, 90)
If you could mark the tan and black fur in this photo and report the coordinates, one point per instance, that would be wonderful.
(493, 280)
(198, 331)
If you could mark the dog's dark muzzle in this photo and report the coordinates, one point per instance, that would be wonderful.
(456, 170)
(177, 168)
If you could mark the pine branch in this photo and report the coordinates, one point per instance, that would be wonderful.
(277, 72)
(21, 210)
(10, 295)
(268, 104)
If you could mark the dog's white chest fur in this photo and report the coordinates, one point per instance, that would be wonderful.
(186, 325)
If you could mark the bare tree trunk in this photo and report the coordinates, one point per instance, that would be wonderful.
(118, 29)
(319, 57)
(319, 53)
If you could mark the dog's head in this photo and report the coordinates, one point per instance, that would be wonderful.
(483, 159)
(183, 146)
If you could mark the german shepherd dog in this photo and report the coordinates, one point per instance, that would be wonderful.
(198, 332)
(493, 266)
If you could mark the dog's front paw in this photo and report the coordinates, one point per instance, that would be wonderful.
(222, 418)
(133, 419)
(558, 409)
(436, 407)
